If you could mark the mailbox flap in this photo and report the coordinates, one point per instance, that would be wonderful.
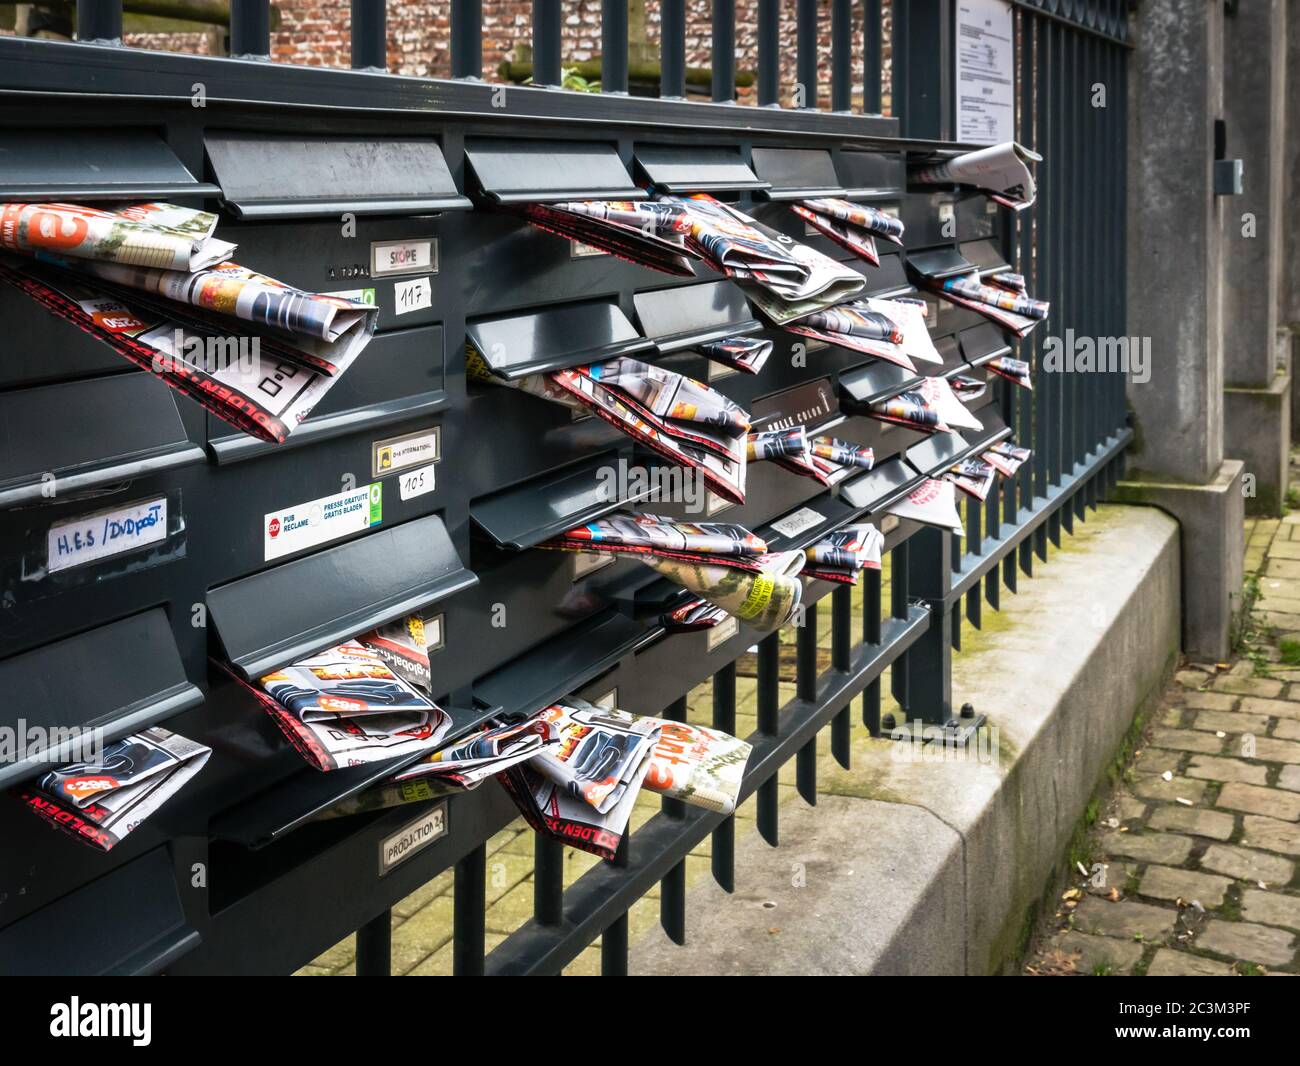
(888, 279)
(877, 380)
(514, 346)
(981, 343)
(266, 175)
(687, 315)
(119, 678)
(271, 619)
(92, 164)
(985, 255)
(936, 454)
(939, 263)
(546, 506)
(63, 430)
(871, 175)
(878, 488)
(539, 172)
(796, 173)
(690, 168)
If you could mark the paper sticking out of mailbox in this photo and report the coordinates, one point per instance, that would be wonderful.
(403, 647)
(852, 226)
(825, 459)
(1006, 457)
(974, 476)
(257, 353)
(1014, 370)
(162, 236)
(645, 232)
(746, 354)
(932, 503)
(345, 707)
(692, 615)
(1002, 170)
(929, 407)
(841, 555)
(638, 533)
(685, 421)
(470, 761)
(893, 330)
(101, 801)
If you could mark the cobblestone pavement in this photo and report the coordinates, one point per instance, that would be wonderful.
(1192, 863)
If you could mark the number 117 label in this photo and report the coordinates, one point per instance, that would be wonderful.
(412, 295)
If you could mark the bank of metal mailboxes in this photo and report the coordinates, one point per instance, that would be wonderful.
(223, 591)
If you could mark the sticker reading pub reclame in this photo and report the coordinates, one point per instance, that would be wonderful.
(306, 525)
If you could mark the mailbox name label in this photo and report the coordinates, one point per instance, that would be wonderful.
(388, 258)
(92, 537)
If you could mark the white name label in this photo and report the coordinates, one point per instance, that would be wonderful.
(797, 521)
(403, 257)
(412, 295)
(306, 525)
(412, 838)
(417, 482)
(722, 632)
(89, 538)
(413, 449)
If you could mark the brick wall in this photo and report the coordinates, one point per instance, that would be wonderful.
(315, 33)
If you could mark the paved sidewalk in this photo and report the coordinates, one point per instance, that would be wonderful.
(1191, 867)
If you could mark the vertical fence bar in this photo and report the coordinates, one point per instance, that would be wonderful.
(974, 545)
(872, 57)
(672, 49)
(769, 55)
(548, 880)
(250, 28)
(927, 664)
(469, 914)
(769, 707)
(841, 55)
(841, 661)
(613, 46)
(899, 567)
(806, 54)
(724, 837)
(613, 949)
(724, 51)
(546, 42)
(99, 21)
(375, 946)
(672, 889)
(871, 629)
(467, 38)
(369, 35)
(805, 768)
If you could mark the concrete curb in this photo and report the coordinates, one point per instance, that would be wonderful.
(921, 861)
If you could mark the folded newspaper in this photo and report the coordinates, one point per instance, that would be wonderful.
(1002, 170)
(683, 420)
(825, 459)
(1014, 370)
(101, 802)
(974, 476)
(403, 647)
(1006, 457)
(967, 388)
(853, 226)
(932, 503)
(930, 407)
(645, 232)
(893, 330)
(747, 354)
(345, 707)
(157, 235)
(692, 615)
(840, 555)
(1009, 308)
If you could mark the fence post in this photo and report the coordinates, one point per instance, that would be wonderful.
(99, 21)
(922, 62)
(927, 666)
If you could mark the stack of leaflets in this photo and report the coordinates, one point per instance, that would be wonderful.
(725, 564)
(974, 476)
(1014, 370)
(746, 354)
(645, 232)
(470, 761)
(893, 330)
(967, 388)
(932, 503)
(403, 646)
(929, 407)
(345, 707)
(1009, 307)
(150, 281)
(1006, 457)
(103, 800)
(823, 458)
(1002, 170)
(581, 787)
(784, 279)
(841, 555)
(694, 614)
(683, 420)
(852, 226)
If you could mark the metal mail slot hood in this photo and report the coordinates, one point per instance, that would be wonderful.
(34, 437)
(514, 346)
(872, 176)
(539, 172)
(937, 453)
(687, 315)
(91, 164)
(878, 488)
(119, 678)
(986, 255)
(688, 169)
(939, 263)
(876, 381)
(796, 173)
(266, 175)
(274, 618)
(888, 279)
(981, 343)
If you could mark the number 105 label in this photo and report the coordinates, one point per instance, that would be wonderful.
(417, 482)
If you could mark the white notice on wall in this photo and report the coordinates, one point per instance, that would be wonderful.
(986, 81)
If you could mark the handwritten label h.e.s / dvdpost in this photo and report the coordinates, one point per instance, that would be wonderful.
(89, 538)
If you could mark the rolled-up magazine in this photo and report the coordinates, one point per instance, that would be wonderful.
(764, 593)
(853, 226)
(1006, 457)
(1013, 300)
(893, 330)
(974, 476)
(157, 235)
(824, 458)
(473, 759)
(930, 407)
(694, 614)
(653, 533)
(1016, 370)
(746, 354)
(645, 232)
(932, 503)
(842, 554)
(101, 802)
(967, 388)
(1002, 170)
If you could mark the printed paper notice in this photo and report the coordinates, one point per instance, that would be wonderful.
(315, 522)
(986, 82)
